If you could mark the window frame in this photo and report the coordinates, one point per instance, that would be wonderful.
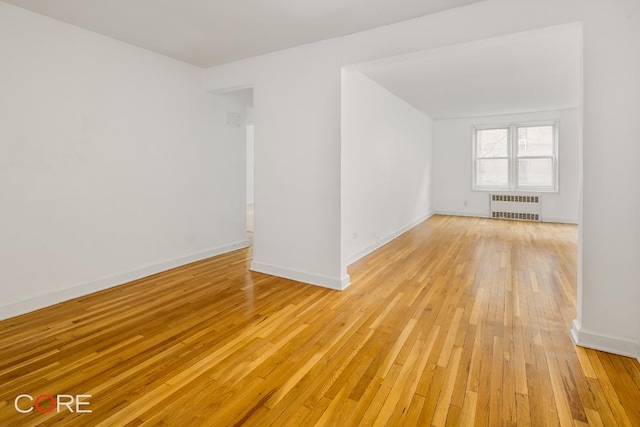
(514, 158)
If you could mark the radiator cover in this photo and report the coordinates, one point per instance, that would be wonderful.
(515, 207)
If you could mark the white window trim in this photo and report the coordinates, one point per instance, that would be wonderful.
(513, 157)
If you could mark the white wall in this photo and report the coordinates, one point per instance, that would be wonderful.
(233, 139)
(297, 160)
(453, 160)
(250, 163)
(386, 165)
(610, 293)
(250, 153)
(110, 168)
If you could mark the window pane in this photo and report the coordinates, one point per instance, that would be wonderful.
(492, 143)
(492, 172)
(535, 141)
(535, 173)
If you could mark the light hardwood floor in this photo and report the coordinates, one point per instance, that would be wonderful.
(460, 321)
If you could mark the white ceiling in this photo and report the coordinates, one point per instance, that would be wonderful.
(527, 72)
(534, 71)
(212, 32)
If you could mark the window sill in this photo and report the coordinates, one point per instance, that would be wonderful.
(518, 191)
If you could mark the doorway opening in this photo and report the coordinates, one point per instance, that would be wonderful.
(235, 132)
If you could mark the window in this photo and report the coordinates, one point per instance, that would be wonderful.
(515, 157)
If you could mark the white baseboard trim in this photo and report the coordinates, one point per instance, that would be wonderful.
(484, 215)
(469, 214)
(36, 302)
(610, 344)
(376, 245)
(560, 220)
(338, 284)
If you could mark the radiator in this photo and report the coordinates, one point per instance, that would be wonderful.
(523, 208)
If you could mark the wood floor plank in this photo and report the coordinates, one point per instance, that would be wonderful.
(459, 321)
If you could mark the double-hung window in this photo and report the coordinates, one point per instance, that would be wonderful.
(515, 157)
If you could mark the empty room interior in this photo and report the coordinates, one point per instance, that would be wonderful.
(412, 213)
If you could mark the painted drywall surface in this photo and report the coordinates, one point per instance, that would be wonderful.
(611, 232)
(297, 160)
(250, 163)
(453, 160)
(386, 165)
(109, 161)
(231, 137)
(478, 21)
